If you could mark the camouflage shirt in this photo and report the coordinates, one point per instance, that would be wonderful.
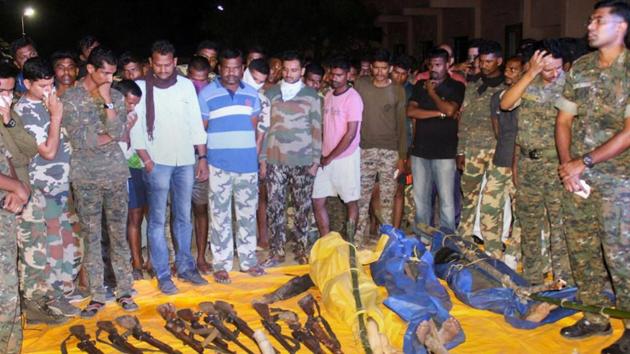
(294, 137)
(475, 126)
(598, 97)
(21, 145)
(537, 115)
(84, 119)
(47, 175)
(5, 165)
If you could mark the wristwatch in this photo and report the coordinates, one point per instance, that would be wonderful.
(587, 160)
(442, 115)
(108, 105)
(202, 157)
(10, 124)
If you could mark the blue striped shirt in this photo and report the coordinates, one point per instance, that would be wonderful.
(231, 131)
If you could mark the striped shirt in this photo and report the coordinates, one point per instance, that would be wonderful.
(231, 130)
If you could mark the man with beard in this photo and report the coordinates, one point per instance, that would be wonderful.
(475, 148)
(130, 66)
(434, 105)
(594, 147)
(231, 110)
(539, 195)
(275, 72)
(290, 156)
(22, 49)
(165, 137)
(340, 171)
(66, 70)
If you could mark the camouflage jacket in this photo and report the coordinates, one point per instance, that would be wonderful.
(475, 126)
(598, 97)
(21, 145)
(294, 137)
(5, 165)
(84, 119)
(44, 174)
(537, 115)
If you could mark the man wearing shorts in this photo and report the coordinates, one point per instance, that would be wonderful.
(340, 169)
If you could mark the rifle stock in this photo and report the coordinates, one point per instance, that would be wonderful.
(132, 325)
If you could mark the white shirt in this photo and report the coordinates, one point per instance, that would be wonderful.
(177, 126)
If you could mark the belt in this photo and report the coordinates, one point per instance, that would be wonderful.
(537, 154)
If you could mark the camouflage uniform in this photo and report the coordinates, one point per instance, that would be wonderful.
(293, 143)
(99, 179)
(476, 143)
(540, 188)
(47, 222)
(10, 322)
(598, 97)
(21, 145)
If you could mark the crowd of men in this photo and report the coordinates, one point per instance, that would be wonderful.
(92, 145)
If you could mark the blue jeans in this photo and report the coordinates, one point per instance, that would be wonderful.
(425, 173)
(179, 180)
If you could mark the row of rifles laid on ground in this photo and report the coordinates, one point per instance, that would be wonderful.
(216, 326)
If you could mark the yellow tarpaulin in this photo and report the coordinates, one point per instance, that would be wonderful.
(486, 332)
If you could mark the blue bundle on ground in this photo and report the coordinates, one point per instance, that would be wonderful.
(480, 289)
(405, 268)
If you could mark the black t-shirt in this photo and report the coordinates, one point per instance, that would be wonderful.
(436, 138)
(508, 127)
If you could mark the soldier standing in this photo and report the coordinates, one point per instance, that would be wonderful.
(539, 187)
(475, 148)
(95, 117)
(594, 149)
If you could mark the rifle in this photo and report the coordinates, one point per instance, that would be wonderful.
(115, 340)
(269, 322)
(210, 334)
(177, 327)
(227, 313)
(132, 325)
(318, 326)
(300, 333)
(212, 318)
(85, 343)
(292, 288)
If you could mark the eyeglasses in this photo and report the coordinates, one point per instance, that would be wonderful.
(599, 21)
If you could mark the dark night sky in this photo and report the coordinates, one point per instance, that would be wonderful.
(324, 25)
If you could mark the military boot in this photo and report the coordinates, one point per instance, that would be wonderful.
(37, 311)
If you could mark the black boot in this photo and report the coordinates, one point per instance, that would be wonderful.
(621, 346)
(583, 329)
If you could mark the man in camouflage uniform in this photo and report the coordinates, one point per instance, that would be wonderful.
(231, 109)
(594, 148)
(290, 156)
(539, 188)
(13, 195)
(45, 232)
(475, 149)
(94, 117)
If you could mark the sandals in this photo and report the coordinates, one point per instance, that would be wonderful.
(255, 271)
(272, 261)
(221, 277)
(127, 303)
(92, 309)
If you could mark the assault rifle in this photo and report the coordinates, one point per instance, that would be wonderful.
(115, 339)
(212, 318)
(211, 334)
(228, 314)
(298, 332)
(269, 322)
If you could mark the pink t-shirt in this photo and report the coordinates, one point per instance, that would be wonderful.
(338, 111)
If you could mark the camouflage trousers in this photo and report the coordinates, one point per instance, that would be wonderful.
(498, 189)
(244, 188)
(616, 237)
(539, 198)
(91, 200)
(478, 163)
(583, 226)
(10, 321)
(300, 181)
(49, 250)
(381, 163)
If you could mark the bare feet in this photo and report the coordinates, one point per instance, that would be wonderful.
(539, 311)
(222, 277)
(449, 330)
(422, 331)
(429, 336)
